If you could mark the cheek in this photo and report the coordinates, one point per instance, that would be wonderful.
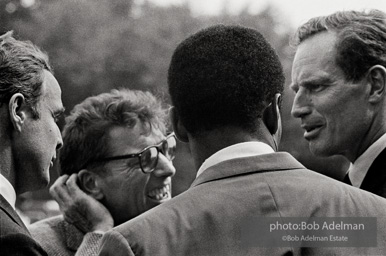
(47, 136)
(336, 110)
(134, 185)
(345, 125)
(139, 188)
(141, 184)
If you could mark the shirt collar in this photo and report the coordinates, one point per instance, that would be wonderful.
(358, 170)
(7, 191)
(244, 149)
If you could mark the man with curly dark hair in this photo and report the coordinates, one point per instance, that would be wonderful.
(225, 84)
(339, 77)
(117, 149)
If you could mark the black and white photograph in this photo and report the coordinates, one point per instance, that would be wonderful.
(192, 127)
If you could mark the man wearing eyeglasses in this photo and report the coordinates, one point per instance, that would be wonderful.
(117, 151)
(225, 84)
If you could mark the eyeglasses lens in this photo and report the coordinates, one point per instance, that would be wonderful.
(169, 148)
(149, 159)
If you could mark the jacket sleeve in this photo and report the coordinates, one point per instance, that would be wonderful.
(90, 244)
(114, 244)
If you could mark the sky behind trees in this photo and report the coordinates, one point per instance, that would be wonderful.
(295, 11)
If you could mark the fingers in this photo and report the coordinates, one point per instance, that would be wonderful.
(65, 190)
(78, 208)
(59, 190)
(72, 185)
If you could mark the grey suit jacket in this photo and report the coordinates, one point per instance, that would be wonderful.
(60, 238)
(14, 236)
(206, 219)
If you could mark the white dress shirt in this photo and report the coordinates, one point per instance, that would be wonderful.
(358, 170)
(244, 149)
(7, 191)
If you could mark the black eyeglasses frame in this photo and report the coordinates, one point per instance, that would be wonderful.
(139, 154)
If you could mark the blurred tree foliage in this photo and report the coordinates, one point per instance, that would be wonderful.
(97, 45)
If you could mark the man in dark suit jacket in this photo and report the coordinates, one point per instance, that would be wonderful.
(30, 102)
(225, 84)
(339, 77)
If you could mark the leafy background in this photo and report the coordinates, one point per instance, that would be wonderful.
(97, 45)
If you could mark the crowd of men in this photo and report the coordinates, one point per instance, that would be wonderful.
(225, 84)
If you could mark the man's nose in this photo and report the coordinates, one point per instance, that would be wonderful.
(164, 168)
(60, 141)
(301, 105)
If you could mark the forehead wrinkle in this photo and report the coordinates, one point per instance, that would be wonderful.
(308, 71)
(309, 76)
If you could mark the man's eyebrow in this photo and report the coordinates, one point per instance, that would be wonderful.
(315, 81)
(311, 82)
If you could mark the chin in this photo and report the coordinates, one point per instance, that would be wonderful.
(322, 152)
(318, 150)
(43, 183)
(31, 185)
(44, 180)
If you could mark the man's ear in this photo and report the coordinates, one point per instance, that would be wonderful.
(17, 111)
(377, 79)
(272, 120)
(178, 127)
(89, 182)
(271, 115)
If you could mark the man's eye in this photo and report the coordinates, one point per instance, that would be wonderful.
(294, 88)
(316, 87)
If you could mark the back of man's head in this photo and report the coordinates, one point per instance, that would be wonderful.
(21, 70)
(86, 129)
(223, 76)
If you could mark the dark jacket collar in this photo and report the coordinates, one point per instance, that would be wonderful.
(7, 208)
(375, 179)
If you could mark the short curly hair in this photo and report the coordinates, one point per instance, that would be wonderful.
(361, 39)
(84, 134)
(21, 70)
(223, 75)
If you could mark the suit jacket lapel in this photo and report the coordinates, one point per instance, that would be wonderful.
(375, 179)
(7, 208)
(239, 166)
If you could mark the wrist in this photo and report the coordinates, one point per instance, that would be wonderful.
(102, 227)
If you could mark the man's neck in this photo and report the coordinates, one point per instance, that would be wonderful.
(6, 154)
(374, 133)
(207, 143)
(6, 161)
(6, 170)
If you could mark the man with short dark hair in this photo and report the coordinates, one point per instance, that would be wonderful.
(30, 103)
(339, 77)
(225, 84)
(117, 149)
